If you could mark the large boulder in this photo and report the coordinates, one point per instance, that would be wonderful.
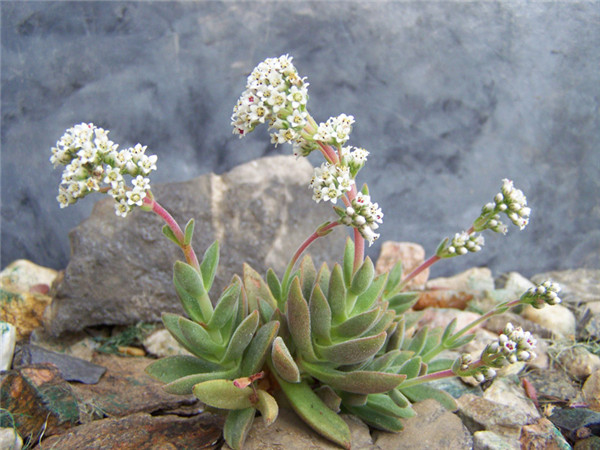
(120, 270)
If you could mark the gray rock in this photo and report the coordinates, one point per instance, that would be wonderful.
(553, 384)
(121, 269)
(449, 98)
(432, 427)
(70, 367)
(488, 440)
(571, 421)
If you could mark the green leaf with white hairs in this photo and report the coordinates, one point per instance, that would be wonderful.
(274, 285)
(323, 278)
(172, 368)
(298, 319)
(255, 356)
(357, 382)
(189, 232)
(308, 275)
(241, 338)
(383, 362)
(171, 322)
(353, 351)
(223, 394)
(237, 426)
(439, 364)
(362, 279)
(320, 316)
(329, 397)
(199, 338)
(411, 367)
(190, 289)
(184, 385)
(376, 419)
(459, 341)
(384, 404)
(402, 302)
(399, 398)
(170, 235)
(393, 280)
(356, 325)
(267, 406)
(367, 299)
(417, 343)
(283, 361)
(256, 288)
(384, 323)
(226, 307)
(423, 392)
(209, 264)
(449, 329)
(336, 295)
(348, 262)
(265, 310)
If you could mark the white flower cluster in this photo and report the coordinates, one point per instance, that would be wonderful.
(510, 201)
(355, 158)
(336, 131)
(542, 294)
(276, 95)
(461, 244)
(363, 215)
(91, 159)
(512, 345)
(330, 182)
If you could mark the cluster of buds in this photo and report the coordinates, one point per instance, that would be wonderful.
(275, 95)
(336, 131)
(512, 345)
(363, 215)
(330, 182)
(93, 164)
(461, 244)
(481, 373)
(510, 201)
(542, 294)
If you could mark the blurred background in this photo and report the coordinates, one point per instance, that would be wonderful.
(449, 98)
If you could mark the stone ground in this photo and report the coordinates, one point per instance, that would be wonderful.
(88, 389)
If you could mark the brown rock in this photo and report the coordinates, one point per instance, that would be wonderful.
(443, 298)
(411, 255)
(40, 401)
(475, 279)
(126, 389)
(433, 427)
(142, 432)
(542, 435)
(591, 391)
(23, 295)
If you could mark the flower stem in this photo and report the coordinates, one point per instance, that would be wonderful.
(427, 378)
(188, 250)
(432, 260)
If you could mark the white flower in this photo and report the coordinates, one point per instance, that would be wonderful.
(135, 197)
(141, 183)
(147, 163)
(113, 176)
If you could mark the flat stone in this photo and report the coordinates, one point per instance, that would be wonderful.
(578, 362)
(591, 390)
(121, 270)
(557, 318)
(70, 367)
(474, 279)
(488, 440)
(445, 298)
(543, 435)
(126, 389)
(142, 431)
(161, 343)
(410, 254)
(590, 443)
(574, 422)
(40, 401)
(432, 427)
(554, 385)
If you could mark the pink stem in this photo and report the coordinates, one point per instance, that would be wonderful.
(419, 269)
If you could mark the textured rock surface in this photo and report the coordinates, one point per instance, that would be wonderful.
(449, 98)
(410, 254)
(121, 271)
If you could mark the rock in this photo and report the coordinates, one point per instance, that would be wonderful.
(10, 439)
(441, 317)
(497, 323)
(578, 362)
(143, 432)
(575, 423)
(290, 432)
(70, 367)
(79, 345)
(591, 390)
(514, 282)
(40, 401)
(503, 409)
(577, 286)
(542, 435)
(591, 443)
(488, 440)
(432, 427)
(557, 318)
(589, 327)
(161, 343)
(8, 338)
(553, 385)
(475, 279)
(443, 298)
(23, 295)
(121, 269)
(126, 389)
(410, 254)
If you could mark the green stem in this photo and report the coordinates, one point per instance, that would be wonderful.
(427, 378)
(188, 250)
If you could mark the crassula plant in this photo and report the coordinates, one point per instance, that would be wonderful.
(329, 339)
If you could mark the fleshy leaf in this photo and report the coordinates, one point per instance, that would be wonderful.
(423, 392)
(411, 367)
(308, 275)
(352, 351)
(358, 382)
(172, 368)
(184, 385)
(381, 363)
(315, 413)
(274, 285)
(170, 235)
(367, 299)
(394, 279)
(418, 341)
(348, 262)
(210, 262)
(357, 325)
(265, 310)
(383, 324)
(284, 362)
(336, 295)
(376, 419)
(241, 338)
(199, 338)
(329, 397)
(362, 278)
(256, 288)
(384, 404)
(399, 398)
(298, 319)
(190, 289)
(223, 394)
(403, 302)
(255, 356)
(171, 322)
(189, 232)
(226, 306)
(323, 278)
(237, 426)
(267, 406)
(439, 364)
(320, 315)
